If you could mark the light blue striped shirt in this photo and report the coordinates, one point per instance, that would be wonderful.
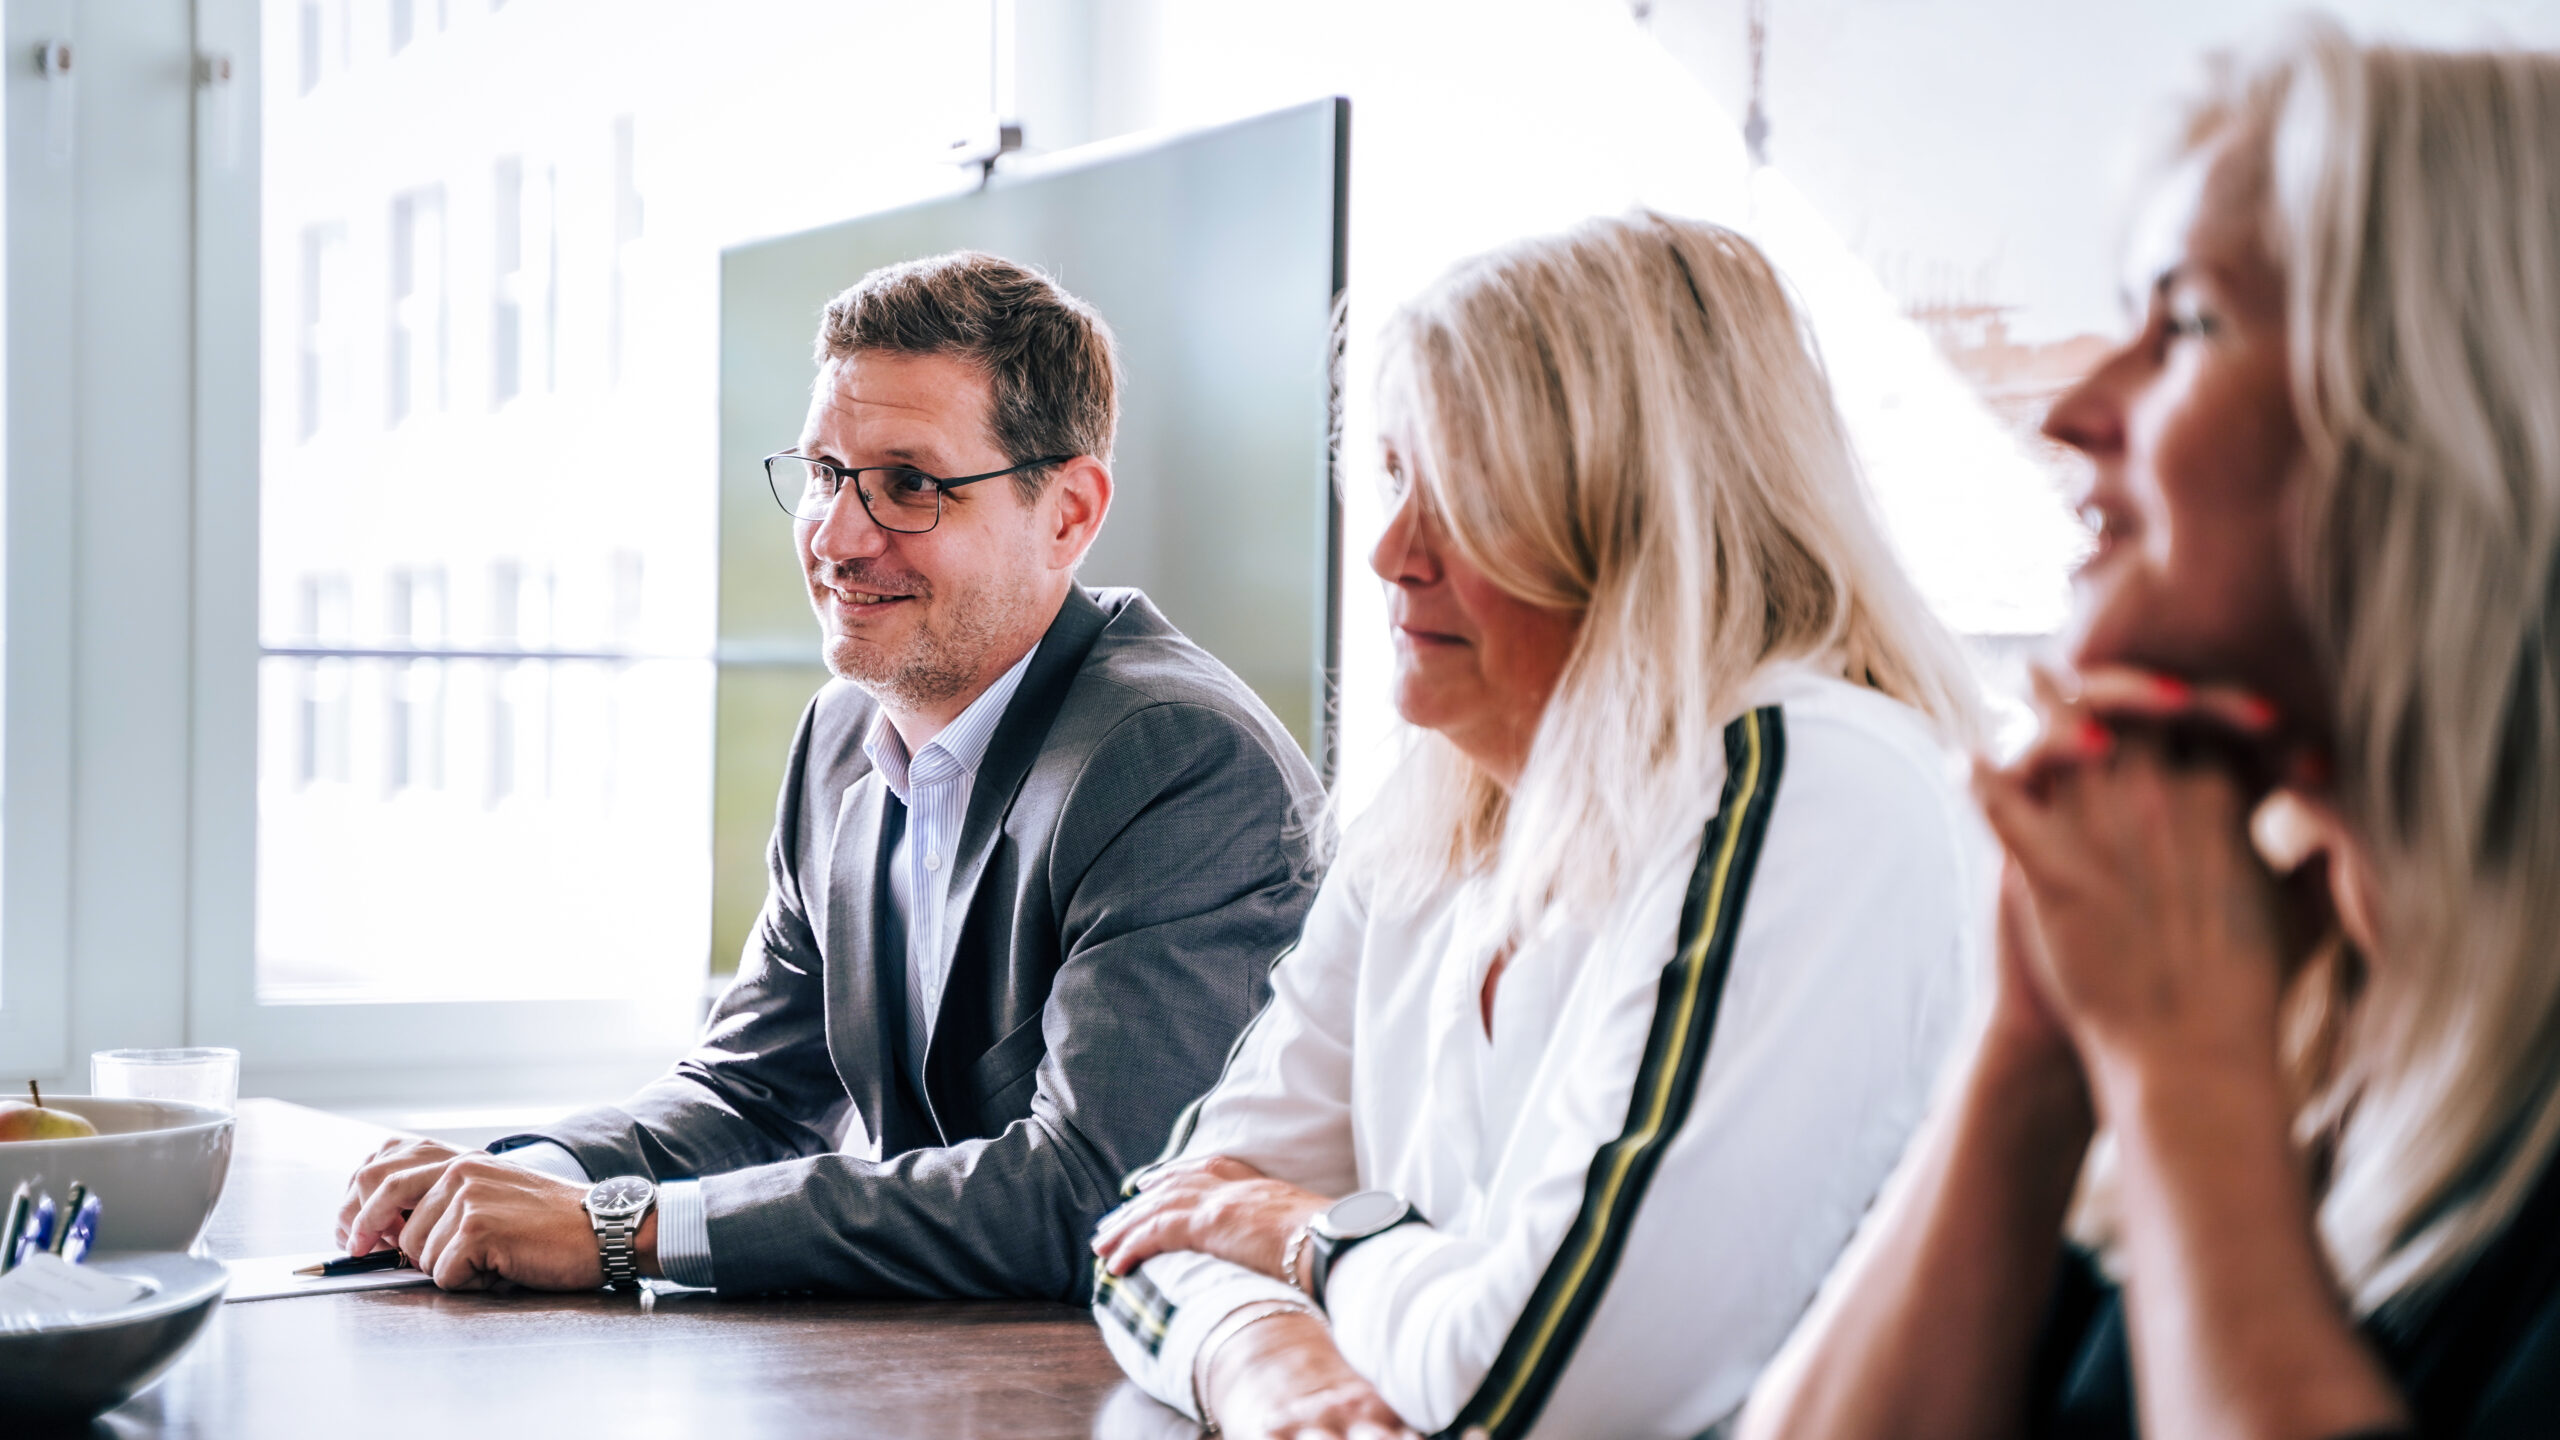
(934, 785)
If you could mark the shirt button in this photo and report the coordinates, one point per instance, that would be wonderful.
(932, 861)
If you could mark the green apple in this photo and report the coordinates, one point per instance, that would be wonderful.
(22, 1121)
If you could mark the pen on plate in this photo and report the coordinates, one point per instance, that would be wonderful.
(39, 1237)
(70, 1214)
(20, 1204)
(80, 1230)
(358, 1264)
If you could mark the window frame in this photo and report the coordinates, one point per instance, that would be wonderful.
(129, 742)
(349, 1051)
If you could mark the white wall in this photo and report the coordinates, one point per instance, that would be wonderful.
(1989, 144)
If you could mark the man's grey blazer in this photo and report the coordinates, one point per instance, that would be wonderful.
(1138, 851)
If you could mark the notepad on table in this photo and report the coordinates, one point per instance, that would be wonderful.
(271, 1277)
(45, 1288)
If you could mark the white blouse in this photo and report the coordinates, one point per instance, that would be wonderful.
(1614, 1244)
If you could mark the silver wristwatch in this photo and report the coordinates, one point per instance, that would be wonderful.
(615, 1208)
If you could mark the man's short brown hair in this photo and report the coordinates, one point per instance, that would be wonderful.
(1048, 358)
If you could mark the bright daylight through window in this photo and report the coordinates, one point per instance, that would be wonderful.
(490, 290)
(489, 503)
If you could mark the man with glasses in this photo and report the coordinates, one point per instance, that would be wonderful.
(1034, 857)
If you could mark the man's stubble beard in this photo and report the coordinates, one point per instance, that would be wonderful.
(942, 655)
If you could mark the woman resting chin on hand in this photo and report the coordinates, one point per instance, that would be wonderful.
(1674, 717)
(2329, 1205)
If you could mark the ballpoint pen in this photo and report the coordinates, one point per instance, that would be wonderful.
(358, 1264)
(80, 1230)
(38, 1238)
(19, 1206)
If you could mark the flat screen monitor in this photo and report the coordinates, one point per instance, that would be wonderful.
(1217, 259)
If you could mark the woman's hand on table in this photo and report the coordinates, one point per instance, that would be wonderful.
(1282, 1379)
(1216, 1205)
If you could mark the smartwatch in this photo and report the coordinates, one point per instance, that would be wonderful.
(1346, 1223)
(615, 1208)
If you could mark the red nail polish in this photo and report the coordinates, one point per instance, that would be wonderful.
(2257, 712)
(2093, 738)
(2171, 689)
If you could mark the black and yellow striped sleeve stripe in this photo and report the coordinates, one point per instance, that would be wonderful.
(1541, 1342)
(1134, 1302)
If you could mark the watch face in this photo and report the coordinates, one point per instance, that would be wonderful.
(622, 1195)
(1360, 1216)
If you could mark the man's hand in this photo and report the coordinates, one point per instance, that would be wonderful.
(385, 1188)
(471, 1219)
(485, 1220)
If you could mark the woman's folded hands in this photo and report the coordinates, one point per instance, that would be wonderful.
(1283, 1379)
(1274, 1375)
(1216, 1205)
(2161, 938)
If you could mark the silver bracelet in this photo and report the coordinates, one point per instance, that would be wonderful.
(1217, 1341)
(1290, 1252)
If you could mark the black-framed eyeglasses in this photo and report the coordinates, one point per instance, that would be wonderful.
(897, 497)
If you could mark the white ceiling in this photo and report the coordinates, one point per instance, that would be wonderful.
(1982, 149)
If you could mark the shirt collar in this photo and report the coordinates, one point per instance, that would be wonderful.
(963, 742)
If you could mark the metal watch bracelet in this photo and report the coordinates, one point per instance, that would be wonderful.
(614, 1246)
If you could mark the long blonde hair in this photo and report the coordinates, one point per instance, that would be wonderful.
(1629, 421)
(2413, 203)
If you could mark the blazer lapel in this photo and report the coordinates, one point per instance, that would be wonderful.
(1010, 753)
(862, 941)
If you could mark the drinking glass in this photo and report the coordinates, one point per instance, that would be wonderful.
(198, 1075)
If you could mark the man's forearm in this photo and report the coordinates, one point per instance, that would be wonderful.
(1005, 1217)
(677, 1127)
(688, 1261)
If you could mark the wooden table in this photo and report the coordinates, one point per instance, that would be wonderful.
(420, 1362)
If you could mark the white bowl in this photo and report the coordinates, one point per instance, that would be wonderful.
(63, 1373)
(156, 1166)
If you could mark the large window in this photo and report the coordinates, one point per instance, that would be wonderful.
(487, 469)
(483, 717)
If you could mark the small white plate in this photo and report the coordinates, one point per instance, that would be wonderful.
(79, 1368)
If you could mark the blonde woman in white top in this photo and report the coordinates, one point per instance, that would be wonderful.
(1624, 997)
